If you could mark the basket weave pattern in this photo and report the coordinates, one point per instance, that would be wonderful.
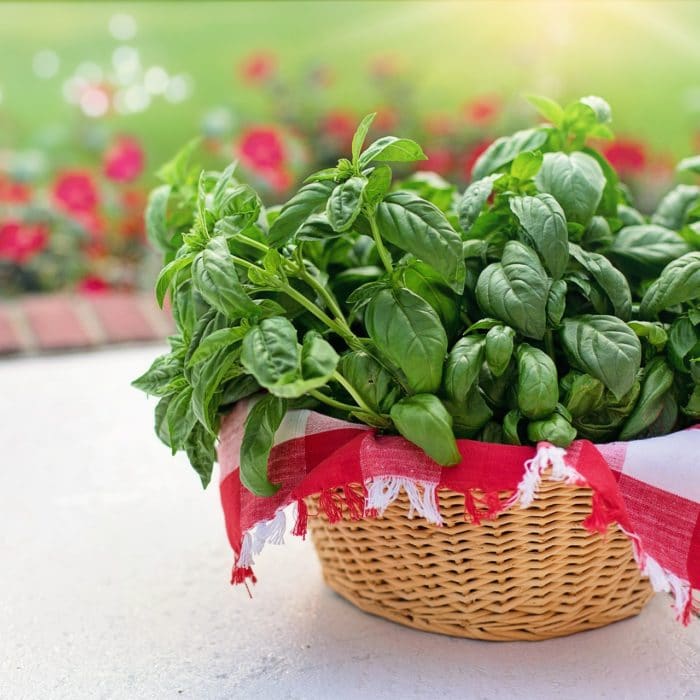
(528, 574)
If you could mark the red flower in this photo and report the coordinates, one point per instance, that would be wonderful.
(472, 156)
(261, 149)
(12, 192)
(440, 160)
(20, 242)
(258, 68)
(92, 284)
(626, 155)
(123, 161)
(386, 120)
(339, 126)
(75, 192)
(482, 111)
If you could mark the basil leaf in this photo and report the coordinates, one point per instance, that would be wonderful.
(584, 395)
(499, 349)
(378, 184)
(310, 199)
(644, 250)
(180, 418)
(358, 140)
(511, 423)
(214, 277)
(549, 109)
(515, 290)
(160, 374)
(207, 377)
(538, 387)
(503, 150)
(556, 302)
(678, 283)
(156, 217)
(575, 180)
(658, 378)
(690, 164)
(167, 274)
(470, 414)
(270, 352)
(317, 227)
(681, 340)
(673, 209)
(653, 332)
(545, 229)
(554, 429)
(391, 149)
(408, 331)
(609, 278)
(424, 421)
(345, 203)
(259, 433)
(473, 200)
(420, 228)
(201, 452)
(212, 343)
(462, 367)
(604, 347)
(526, 165)
(372, 382)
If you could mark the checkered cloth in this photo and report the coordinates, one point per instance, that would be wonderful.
(650, 488)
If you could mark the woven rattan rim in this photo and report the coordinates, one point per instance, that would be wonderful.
(527, 574)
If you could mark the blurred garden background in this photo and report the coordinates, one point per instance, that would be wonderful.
(95, 96)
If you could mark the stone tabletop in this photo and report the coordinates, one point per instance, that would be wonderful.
(115, 570)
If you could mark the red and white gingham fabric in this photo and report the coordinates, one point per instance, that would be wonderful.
(651, 488)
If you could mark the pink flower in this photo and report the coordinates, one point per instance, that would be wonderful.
(440, 160)
(92, 284)
(123, 161)
(386, 120)
(627, 156)
(472, 156)
(12, 192)
(258, 67)
(20, 242)
(261, 148)
(339, 126)
(482, 111)
(75, 192)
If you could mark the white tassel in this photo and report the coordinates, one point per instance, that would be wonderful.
(256, 538)
(382, 492)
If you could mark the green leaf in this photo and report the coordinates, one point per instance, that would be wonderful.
(526, 165)
(180, 418)
(259, 433)
(408, 331)
(223, 338)
(420, 228)
(214, 277)
(549, 109)
(690, 165)
(556, 302)
(318, 359)
(358, 140)
(682, 338)
(462, 367)
(511, 423)
(239, 206)
(176, 172)
(609, 202)
(644, 250)
(345, 203)
(156, 380)
(609, 278)
(575, 180)
(600, 107)
(515, 290)
(470, 414)
(537, 388)
(499, 349)
(473, 201)
(270, 352)
(424, 421)
(324, 174)
(658, 378)
(545, 229)
(207, 378)
(378, 184)
(372, 382)
(678, 283)
(655, 333)
(503, 150)
(201, 451)
(310, 199)
(584, 395)
(167, 274)
(604, 347)
(555, 429)
(156, 217)
(673, 209)
(390, 149)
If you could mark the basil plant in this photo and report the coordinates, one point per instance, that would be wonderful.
(539, 304)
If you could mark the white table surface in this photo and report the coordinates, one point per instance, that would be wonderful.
(114, 581)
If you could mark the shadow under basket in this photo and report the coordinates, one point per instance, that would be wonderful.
(527, 574)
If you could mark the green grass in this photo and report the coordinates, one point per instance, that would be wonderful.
(644, 57)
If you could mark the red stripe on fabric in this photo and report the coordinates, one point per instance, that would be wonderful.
(694, 557)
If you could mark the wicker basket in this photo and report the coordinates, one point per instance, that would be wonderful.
(529, 574)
